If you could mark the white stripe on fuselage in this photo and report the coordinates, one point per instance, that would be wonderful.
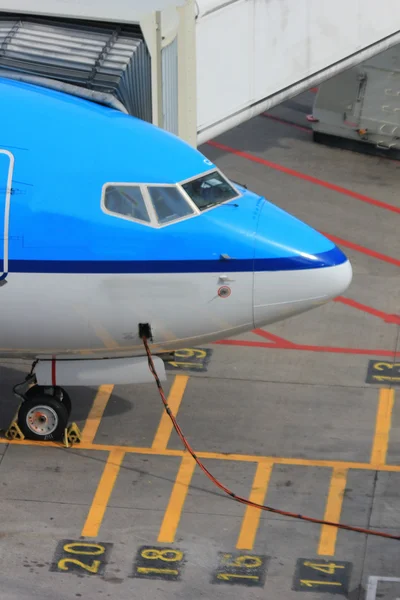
(44, 314)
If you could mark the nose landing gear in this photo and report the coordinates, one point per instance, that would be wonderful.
(43, 414)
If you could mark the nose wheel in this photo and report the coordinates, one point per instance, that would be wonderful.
(44, 413)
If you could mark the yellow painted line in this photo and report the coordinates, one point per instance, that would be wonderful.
(177, 500)
(101, 332)
(252, 515)
(278, 460)
(96, 413)
(165, 427)
(105, 337)
(103, 493)
(382, 426)
(333, 509)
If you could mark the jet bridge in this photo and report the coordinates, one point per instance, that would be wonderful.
(195, 68)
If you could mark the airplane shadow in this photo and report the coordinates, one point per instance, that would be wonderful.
(81, 397)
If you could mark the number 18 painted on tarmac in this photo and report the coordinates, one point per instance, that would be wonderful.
(158, 563)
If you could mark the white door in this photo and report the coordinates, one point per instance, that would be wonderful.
(6, 174)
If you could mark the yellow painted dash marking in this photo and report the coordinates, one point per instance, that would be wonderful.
(105, 337)
(311, 583)
(101, 332)
(333, 509)
(177, 500)
(103, 493)
(252, 515)
(382, 426)
(247, 458)
(165, 427)
(96, 413)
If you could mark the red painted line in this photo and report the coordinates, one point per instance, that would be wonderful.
(273, 338)
(362, 249)
(309, 178)
(250, 344)
(308, 348)
(53, 371)
(286, 122)
(368, 309)
(314, 90)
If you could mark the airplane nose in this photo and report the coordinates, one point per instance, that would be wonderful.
(295, 268)
(284, 293)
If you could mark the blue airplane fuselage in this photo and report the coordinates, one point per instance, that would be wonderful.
(79, 278)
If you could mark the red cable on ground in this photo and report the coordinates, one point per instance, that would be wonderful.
(240, 499)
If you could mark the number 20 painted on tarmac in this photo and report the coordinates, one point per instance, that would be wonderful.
(91, 558)
(81, 557)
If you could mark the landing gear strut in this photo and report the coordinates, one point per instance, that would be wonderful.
(43, 413)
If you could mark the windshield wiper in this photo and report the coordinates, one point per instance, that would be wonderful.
(223, 203)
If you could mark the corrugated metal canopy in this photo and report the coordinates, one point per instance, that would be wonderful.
(103, 57)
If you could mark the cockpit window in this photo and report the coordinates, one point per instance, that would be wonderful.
(158, 205)
(126, 200)
(169, 204)
(209, 190)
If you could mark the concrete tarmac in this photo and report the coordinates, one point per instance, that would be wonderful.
(302, 417)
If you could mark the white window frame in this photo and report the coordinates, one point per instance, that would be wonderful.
(192, 205)
(154, 223)
(119, 215)
(215, 169)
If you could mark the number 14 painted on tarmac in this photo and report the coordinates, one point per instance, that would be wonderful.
(329, 569)
(321, 575)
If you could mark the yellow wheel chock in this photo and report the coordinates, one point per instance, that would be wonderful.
(72, 435)
(14, 432)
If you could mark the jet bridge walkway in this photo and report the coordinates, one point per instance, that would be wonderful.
(195, 67)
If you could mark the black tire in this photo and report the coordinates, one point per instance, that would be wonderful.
(53, 412)
(63, 397)
(56, 392)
